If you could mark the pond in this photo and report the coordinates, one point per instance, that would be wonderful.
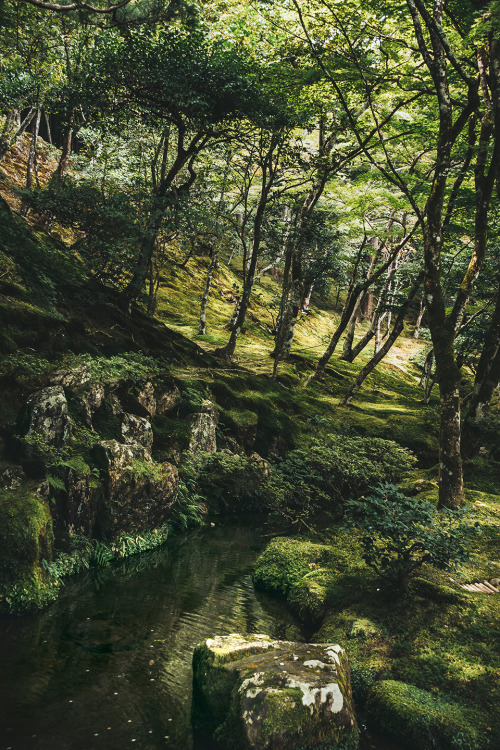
(108, 666)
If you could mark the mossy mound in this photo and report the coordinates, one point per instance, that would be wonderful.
(27, 540)
(305, 573)
(420, 720)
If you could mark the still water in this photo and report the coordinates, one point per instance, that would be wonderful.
(108, 666)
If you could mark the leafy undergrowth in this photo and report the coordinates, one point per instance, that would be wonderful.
(437, 648)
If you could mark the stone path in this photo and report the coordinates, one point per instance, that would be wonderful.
(481, 588)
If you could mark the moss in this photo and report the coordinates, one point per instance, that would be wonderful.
(285, 562)
(27, 540)
(419, 720)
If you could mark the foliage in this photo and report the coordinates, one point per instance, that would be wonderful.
(326, 473)
(108, 226)
(400, 534)
(189, 509)
(87, 553)
(229, 483)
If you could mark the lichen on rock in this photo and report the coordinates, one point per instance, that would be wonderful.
(45, 417)
(256, 693)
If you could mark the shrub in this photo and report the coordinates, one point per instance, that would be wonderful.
(228, 482)
(400, 534)
(328, 472)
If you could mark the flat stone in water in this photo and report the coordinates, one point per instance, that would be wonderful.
(256, 693)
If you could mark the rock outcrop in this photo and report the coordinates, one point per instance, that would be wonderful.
(45, 417)
(88, 394)
(203, 424)
(253, 693)
(138, 492)
(137, 430)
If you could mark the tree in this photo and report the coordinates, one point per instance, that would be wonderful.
(461, 82)
(399, 534)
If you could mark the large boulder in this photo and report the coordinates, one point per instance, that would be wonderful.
(254, 693)
(44, 418)
(138, 492)
(137, 430)
(203, 426)
(88, 394)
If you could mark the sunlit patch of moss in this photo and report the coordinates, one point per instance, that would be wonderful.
(420, 720)
(27, 540)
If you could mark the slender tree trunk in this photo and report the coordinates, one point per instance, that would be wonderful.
(65, 154)
(307, 297)
(206, 293)
(416, 332)
(351, 330)
(228, 351)
(31, 165)
(10, 123)
(428, 377)
(397, 329)
(352, 298)
(486, 381)
(47, 125)
(9, 140)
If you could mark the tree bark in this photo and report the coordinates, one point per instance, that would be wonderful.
(206, 293)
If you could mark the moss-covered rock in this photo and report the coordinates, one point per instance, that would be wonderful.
(253, 693)
(419, 720)
(203, 424)
(44, 423)
(138, 492)
(27, 540)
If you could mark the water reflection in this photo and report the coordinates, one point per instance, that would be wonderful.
(109, 665)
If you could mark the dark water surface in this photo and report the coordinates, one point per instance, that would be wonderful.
(108, 666)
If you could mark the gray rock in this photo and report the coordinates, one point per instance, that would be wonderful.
(82, 502)
(137, 430)
(45, 416)
(138, 492)
(146, 397)
(11, 477)
(203, 424)
(88, 394)
(253, 693)
(167, 400)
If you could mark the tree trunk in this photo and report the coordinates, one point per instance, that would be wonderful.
(206, 293)
(31, 165)
(8, 141)
(416, 332)
(65, 154)
(398, 327)
(351, 330)
(428, 378)
(485, 383)
(10, 123)
(307, 298)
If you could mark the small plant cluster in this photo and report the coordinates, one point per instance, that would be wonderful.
(399, 534)
(132, 366)
(87, 553)
(189, 510)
